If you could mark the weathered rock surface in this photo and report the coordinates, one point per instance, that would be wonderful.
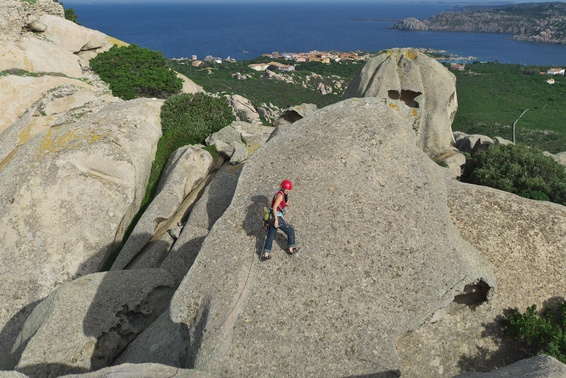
(524, 241)
(142, 371)
(72, 37)
(21, 92)
(85, 323)
(39, 56)
(560, 157)
(67, 196)
(16, 15)
(295, 113)
(164, 341)
(214, 201)
(190, 86)
(243, 109)
(420, 82)
(535, 367)
(185, 173)
(364, 277)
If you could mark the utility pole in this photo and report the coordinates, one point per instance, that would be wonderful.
(514, 123)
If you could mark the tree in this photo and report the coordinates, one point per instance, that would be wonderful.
(520, 170)
(69, 13)
(543, 333)
(134, 71)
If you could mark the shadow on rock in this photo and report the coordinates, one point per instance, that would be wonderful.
(384, 374)
(84, 324)
(9, 358)
(509, 350)
(253, 224)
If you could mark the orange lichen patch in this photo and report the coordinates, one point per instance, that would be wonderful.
(24, 136)
(53, 143)
(8, 158)
(414, 113)
(389, 52)
(411, 54)
(116, 41)
(393, 106)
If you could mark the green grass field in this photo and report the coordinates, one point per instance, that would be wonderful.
(491, 97)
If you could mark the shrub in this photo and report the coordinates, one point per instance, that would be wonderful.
(197, 115)
(133, 71)
(518, 169)
(539, 333)
(186, 119)
(69, 13)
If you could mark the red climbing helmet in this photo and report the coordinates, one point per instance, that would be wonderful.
(286, 184)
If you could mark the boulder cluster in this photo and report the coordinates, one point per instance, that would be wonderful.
(403, 270)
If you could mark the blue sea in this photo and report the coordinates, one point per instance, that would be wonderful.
(245, 31)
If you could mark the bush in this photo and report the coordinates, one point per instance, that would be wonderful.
(539, 334)
(134, 71)
(186, 119)
(520, 170)
(196, 115)
(69, 13)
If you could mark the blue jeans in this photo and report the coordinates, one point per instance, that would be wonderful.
(283, 226)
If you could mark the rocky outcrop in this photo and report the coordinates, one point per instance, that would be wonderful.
(540, 366)
(184, 177)
(410, 23)
(363, 279)
(16, 16)
(425, 88)
(72, 37)
(523, 239)
(190, 86)
(295, 113)
(68, 195)
(87, 322)
(533, 22)
(142, 370)
(243, 109)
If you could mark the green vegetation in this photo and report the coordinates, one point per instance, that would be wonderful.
(186, 119)
(539, 333)
(217, 78)
(518, 169)
(69, 13)
(492, 96)
(133, 71)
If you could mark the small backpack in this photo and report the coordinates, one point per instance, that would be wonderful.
(267, 217)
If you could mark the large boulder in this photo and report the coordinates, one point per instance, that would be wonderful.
(184, 174)
(420, 82)
(22, 92)
(535, 367)
(524, 241)
(190, 86)
(295, 113)
(17, 15)
(86, 323)
(164, 341)
(243, 109)
(379, 254)
(70, 36)
(69, 193)
(39, 57)
(147, 370)
(214, 201)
